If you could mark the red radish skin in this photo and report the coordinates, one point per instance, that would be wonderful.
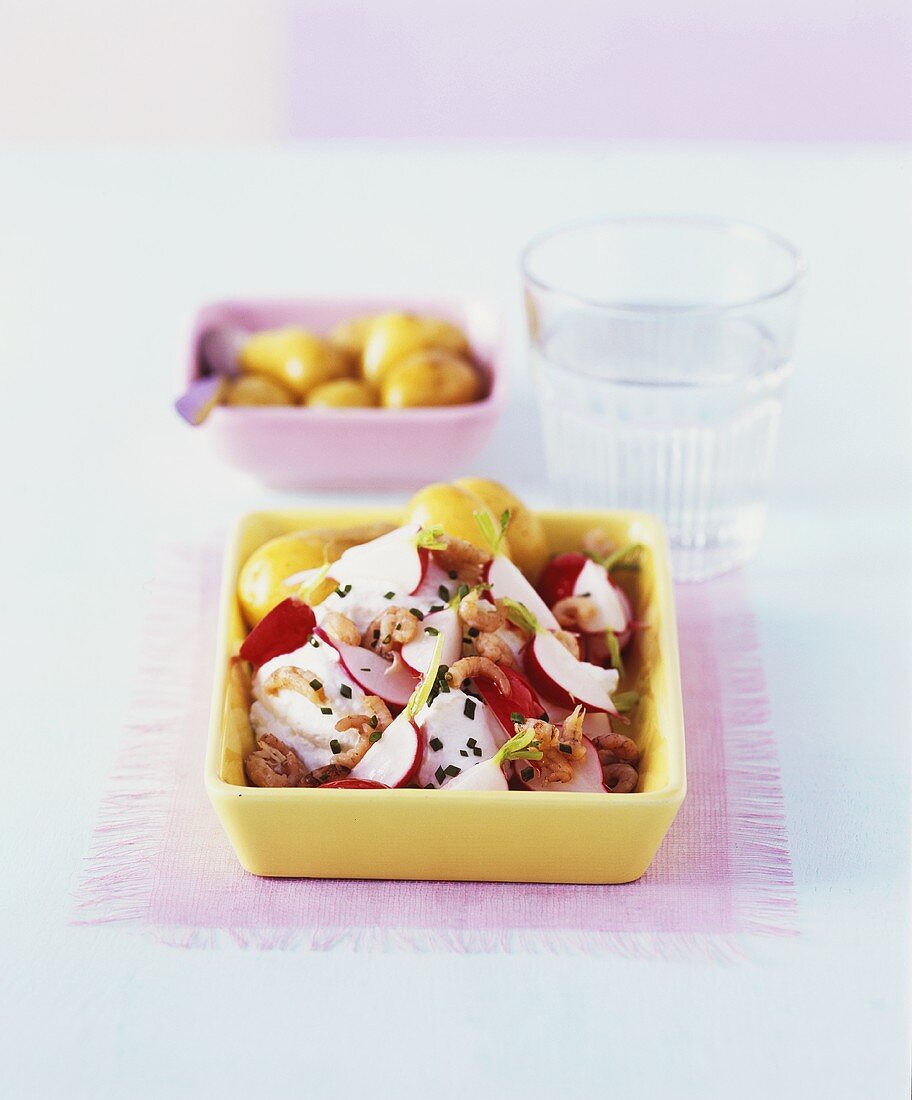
(393, 760)
(559, 576)
(587, 776)
(505, 579)
(560, 677)
(356, 785)
(285, 629)
(521, 700)
(393, 681)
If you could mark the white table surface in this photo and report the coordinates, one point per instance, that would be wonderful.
(103, 258)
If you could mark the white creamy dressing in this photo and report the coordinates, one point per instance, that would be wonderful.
(298, 721)
(366, 599)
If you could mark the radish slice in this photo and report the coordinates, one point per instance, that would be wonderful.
(393, 559)
(417, 653)
(394, 759)
(489, 774)
(285, 629)
(559, 576)
(593, 581)
(505, 579)
(559, 676)
(587, 776)
(452, 741)
(486, 776)
(392, 681)
(521, 700)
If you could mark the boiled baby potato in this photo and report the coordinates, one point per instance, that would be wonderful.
(451, 508)
(392, 336)
(257, 389)
(430, 377)
(343, 393)
(352, 335)
(528, 544)
(261, 583)
(295, 358)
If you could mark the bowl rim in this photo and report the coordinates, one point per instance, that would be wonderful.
(672, 793)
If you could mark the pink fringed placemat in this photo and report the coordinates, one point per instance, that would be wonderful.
(160, 863)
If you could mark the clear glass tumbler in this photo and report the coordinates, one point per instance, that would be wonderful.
(661, 349)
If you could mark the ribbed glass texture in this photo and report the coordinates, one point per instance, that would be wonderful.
(660, 358)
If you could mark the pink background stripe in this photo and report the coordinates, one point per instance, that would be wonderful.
(594, 70)
(161, 863)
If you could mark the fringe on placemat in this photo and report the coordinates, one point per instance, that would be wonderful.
(118, 879)
(765, 898)
(681, 946)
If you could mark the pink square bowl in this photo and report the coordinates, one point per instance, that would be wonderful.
(301, 448)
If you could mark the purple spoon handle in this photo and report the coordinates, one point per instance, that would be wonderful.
(200, 398)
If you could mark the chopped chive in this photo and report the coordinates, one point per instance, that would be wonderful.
(462, 591)
(432, 630)
(335, 747)
(419, 615)
(474, 631)
(544, 716)
(453, 574)
(469, 710)
(566, 749)
(526, 774)
(316, 685)
(326, 710)
(388, 595)
(365, 670)
(436, 744)
(374, 721)
(429, 787)
(315, 643)
(444, 593)
(435, 607)
(471, 742)
(376, 635)
(345, 691)
(444, 687)
(462, 752)
(386, 640)
(516, 717)
(466, 641)
(452, 769)
(373, 738)
(440, 775)
(343, 592)
(442, 670)
(477, 751)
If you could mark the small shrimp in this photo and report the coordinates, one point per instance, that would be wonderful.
(572, 727)
(274, 764)
(597, 544)
(459, 553)
(569, 641)
(495, 649)
(340, 628)
(481, 614)
(326, 774)
(375, 720)
(394, 627)
(292, 678)
(576, 613)
(620, 778)
(468, 668)
(618, 746)
(561, 746)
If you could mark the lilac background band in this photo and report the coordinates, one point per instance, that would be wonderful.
(160, 862)
(599, 70)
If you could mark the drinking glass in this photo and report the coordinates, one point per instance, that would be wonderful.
(661, 348)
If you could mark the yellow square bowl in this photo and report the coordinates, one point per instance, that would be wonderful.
(509, 836)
